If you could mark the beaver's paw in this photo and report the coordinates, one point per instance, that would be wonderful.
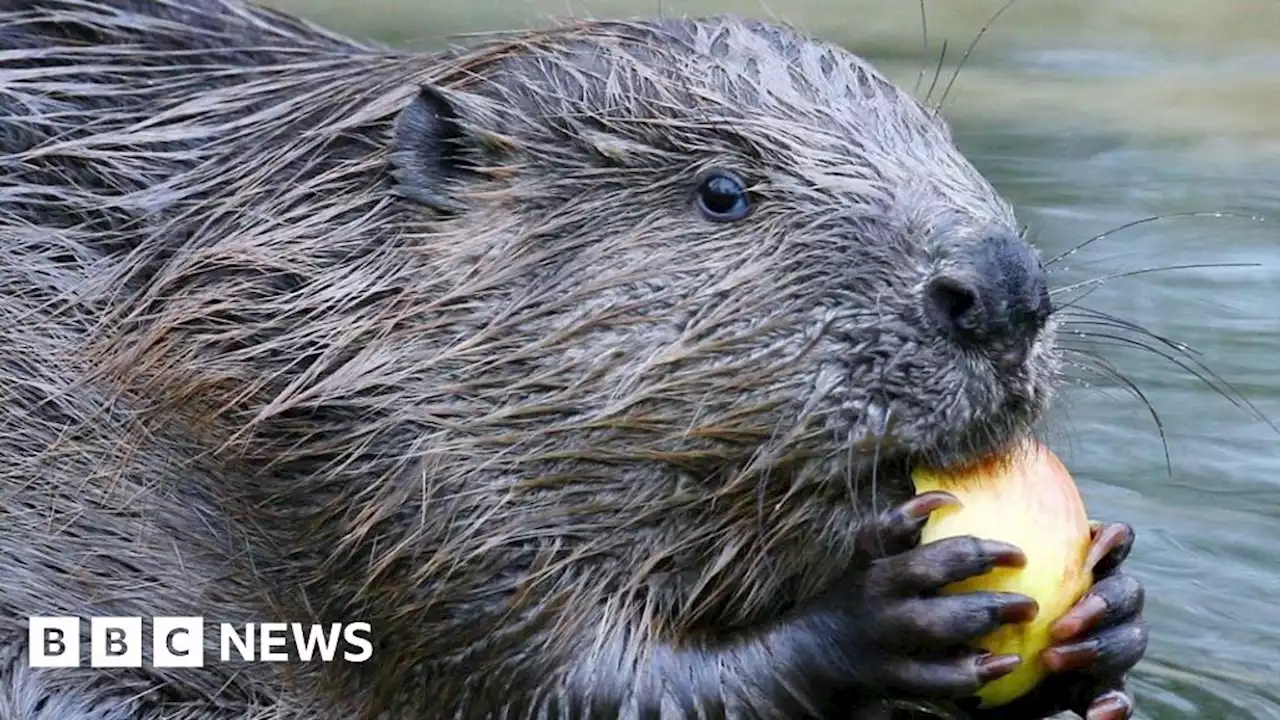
(913, 641)
(1096, 643)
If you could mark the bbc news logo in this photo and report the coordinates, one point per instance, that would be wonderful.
(179, 642)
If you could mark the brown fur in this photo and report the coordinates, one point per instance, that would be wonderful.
(542, 435)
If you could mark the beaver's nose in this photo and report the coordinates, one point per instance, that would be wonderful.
(996, 298)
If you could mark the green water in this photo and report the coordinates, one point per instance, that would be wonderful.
(1088, 115)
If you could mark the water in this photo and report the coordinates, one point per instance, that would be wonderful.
(1090, 115)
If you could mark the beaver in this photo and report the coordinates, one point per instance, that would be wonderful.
(587, 364)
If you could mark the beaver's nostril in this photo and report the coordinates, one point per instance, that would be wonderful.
(996, 298)
(953, 305)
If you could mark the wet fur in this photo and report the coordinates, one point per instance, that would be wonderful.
(294, 328)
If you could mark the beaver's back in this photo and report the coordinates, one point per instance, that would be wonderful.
(101, 516)
(85, 89)
(224, 30)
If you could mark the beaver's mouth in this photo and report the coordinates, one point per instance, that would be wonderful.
(893, 451)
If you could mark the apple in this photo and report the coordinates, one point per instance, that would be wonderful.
(1027, 498)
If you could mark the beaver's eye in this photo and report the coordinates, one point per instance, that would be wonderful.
(722, 197)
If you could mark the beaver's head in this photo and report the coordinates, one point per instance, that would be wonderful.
(721, 248)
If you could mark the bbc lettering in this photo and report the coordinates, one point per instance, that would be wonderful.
(179, 642)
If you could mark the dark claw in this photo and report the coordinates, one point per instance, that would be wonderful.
(898, 529)
(994, 667)
(922, 623)
(955, 677)
(1113, 705)
(1109, 602)
(1106, 654)
(1072, 657)
(1110, 547)
(929, 568)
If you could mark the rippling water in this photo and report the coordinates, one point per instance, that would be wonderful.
(1089, 115)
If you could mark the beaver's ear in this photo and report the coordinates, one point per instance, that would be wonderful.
(430, 152)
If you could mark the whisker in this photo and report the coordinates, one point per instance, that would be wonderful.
(1143, 221)
(1145, 271)
(924, 38)
(1115, 321)
(1106, 368)
(969, 51)
(1074, 303)
(1200, 371)
(937, 72)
